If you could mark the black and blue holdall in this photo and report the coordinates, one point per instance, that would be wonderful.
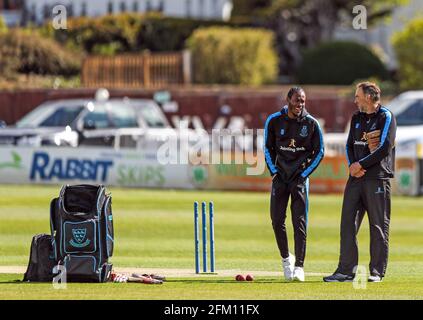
(41, 260)
(82, 228)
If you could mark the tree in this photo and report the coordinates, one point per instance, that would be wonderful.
(303, 24)
(408, 45)
(3, 26)
(233, 56)
(340, 63)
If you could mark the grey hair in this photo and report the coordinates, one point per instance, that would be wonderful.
(370, 88)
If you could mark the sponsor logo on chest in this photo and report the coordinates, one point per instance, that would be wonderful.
(292, 147)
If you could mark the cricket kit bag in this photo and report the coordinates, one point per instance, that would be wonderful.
(41, 259)
(82, 228)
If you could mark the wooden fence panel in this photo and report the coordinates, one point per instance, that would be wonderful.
(143, 70)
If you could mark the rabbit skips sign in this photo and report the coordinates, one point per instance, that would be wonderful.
(129, 168)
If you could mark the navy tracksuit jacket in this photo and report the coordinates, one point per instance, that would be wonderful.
(371, 193)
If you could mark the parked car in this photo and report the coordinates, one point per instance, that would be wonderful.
(408, 111)
(91, 122)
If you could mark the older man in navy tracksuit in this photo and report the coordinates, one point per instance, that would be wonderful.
(372, 165)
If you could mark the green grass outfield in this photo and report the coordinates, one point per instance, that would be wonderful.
(154, 229)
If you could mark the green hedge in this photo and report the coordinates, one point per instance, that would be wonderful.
(28, 52)
(3, 26)
(88, 34)
(128, 32)
(233, 56)
(408, 47)
(340, 63)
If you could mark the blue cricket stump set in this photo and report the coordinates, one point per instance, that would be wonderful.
(204, 236)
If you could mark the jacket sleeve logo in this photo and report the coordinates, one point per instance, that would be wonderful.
(79, 235)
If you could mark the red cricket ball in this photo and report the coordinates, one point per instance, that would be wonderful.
(239, 277)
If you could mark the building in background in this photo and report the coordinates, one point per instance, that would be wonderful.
(11, 10)
(37, 11)
(379, 36)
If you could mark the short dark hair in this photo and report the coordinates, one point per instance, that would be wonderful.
(294, 90)
(370, 88)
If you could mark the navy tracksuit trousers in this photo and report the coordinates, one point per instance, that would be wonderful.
(374, 197)
(298, 191)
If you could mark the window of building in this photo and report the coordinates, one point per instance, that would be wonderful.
(110, 7)
(28, 14)
(84, 9)
(215, 8)
(69, 9)
(25, 16)
(188, 8)
(123, 6)
(135, 6)
(201, 9)
(46, 11)
(33, 13)
(11, 4)
(161, 6)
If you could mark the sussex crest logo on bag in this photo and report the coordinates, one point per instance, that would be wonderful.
(304, 132)
(79, 238)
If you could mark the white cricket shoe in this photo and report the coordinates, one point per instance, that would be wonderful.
(298, 274)
(374, 278)
(288, 267)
